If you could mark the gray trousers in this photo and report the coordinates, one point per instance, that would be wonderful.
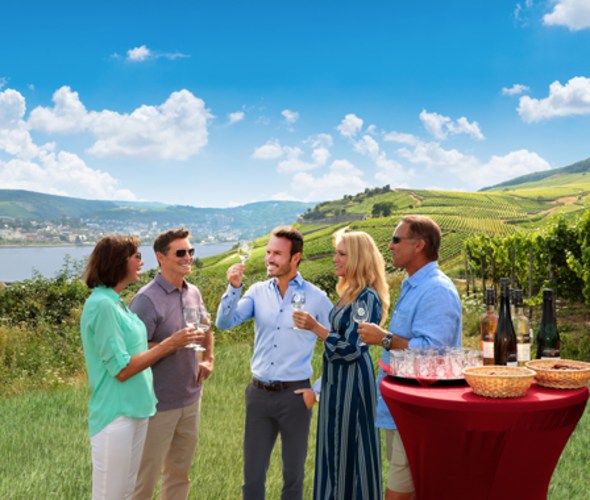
(269, 414)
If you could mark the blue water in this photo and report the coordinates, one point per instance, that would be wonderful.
(19, 263)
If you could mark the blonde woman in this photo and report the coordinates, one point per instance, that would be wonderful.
(348, 457)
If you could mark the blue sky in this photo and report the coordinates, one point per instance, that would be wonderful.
(221, 103)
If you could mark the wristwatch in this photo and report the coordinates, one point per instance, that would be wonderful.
(386, 341)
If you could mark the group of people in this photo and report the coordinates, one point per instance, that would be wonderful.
(146, 386)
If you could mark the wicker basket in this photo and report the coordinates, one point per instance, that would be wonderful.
(548, 376)
(499, 381)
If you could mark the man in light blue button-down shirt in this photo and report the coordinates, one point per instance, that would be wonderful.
(427, 314)
(281, 363)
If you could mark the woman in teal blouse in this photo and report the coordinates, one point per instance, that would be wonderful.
(117, 362)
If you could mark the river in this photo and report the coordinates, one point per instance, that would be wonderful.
(19, 263)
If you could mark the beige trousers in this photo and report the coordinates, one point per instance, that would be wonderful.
(170, 444)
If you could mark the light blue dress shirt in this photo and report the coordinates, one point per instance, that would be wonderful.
(281, 352)
(428, 312)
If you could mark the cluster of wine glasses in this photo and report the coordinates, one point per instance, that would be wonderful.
(197, 318)
(360, 314)
(244, 250)
(297, 302)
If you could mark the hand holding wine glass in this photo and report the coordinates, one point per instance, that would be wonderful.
(192, 318)
(244, 250)
(360, 314)
(297, 302)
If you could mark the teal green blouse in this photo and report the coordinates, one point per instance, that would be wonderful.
(111, 334)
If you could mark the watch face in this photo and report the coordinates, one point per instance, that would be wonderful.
(386, 342)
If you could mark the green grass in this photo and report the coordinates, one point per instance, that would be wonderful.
(45, 451)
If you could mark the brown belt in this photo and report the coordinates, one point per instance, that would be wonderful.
(277, 386)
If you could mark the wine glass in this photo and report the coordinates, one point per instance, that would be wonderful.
(360, 314)
(244, 250)
(297, 302)
(192, 317)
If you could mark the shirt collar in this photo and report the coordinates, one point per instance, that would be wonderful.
(297, 280)
(166, 285)
(108, 292)
(421, 274)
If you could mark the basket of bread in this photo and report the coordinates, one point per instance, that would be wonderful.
(495, 381)
(560, 373)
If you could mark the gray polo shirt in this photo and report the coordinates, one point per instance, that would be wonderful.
(159, 305)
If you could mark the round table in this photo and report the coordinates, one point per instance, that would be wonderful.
(463, 446)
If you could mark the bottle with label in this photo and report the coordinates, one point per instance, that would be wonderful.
(504, 336)
(548, 341)
(523, 330)
(487, 326)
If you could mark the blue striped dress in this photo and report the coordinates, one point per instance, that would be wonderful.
(348, 456)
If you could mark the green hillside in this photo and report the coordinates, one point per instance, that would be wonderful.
(501, 211)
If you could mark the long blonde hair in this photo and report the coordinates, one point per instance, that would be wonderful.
(365, 268)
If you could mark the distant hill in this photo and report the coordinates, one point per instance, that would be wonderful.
(580, 167)
(524, 204)
(246, 221)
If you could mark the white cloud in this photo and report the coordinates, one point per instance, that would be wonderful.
(320, 155)
(350, 125)
(272, 150)
(293, 163)
(401, 138)
(139, 54)
(573, 14)
(441, 126)
(342, 178)
(573, 98)
(68, 114)
(174, 130)
(283, 196)
(63, 174)
(502, 168)
(236, 117)
(143, 53)
(290, 116)
(320, 141)
(388, 171)
(12, 108)
(3, 82)
(43, 168)
(516, 89)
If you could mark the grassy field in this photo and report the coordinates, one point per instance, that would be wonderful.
(45, 452)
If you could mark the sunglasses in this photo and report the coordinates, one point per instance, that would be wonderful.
(182, 252)
(396, 239)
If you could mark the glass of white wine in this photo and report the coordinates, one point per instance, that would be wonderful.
(297, 302)
(244, 250)
(192, 317)
(360, 314)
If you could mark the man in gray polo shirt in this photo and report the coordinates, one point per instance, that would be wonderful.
(173, 431)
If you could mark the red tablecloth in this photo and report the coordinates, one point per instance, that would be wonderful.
(463, 446)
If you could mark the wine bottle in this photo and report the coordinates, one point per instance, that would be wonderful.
(504, 336)
(522, 328)
(487, 326)
(548, 341)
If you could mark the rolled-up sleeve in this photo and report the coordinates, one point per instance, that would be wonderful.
(108, 342)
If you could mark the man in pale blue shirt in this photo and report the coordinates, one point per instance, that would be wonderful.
(281, 363)
(427, 314)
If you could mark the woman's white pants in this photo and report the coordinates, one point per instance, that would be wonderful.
(116, 454)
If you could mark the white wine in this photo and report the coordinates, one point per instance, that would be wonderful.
(487, 326)
(522, 328)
